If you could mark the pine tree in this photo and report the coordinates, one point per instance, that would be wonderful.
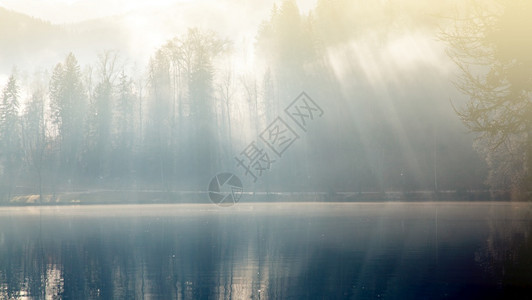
(35, 137)
(10, 134)
(69, 110)
(125, 126)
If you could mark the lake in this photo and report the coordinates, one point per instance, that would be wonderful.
(392, 250)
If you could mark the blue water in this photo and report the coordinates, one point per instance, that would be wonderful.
(268, 251)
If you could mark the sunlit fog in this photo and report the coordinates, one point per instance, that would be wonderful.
(206, 128)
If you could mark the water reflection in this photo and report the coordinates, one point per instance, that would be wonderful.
(267, 251)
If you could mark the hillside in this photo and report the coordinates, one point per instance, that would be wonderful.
(29, 43)
(22, 36)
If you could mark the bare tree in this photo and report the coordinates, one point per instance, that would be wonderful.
(491, 46)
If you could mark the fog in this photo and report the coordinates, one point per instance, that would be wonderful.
(164, 95)
(265, 149)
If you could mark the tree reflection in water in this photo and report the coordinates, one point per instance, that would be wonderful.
(263, 251)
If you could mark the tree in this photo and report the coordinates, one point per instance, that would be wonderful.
(68, 108)
(158, 125)
(287, 44)
(101, 112)
(10, 131)
(226, 90)
(206, 46)
(125, 124)
(195, 54)
(34, 133)
(492, 46)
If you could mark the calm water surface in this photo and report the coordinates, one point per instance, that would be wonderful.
(268, 251)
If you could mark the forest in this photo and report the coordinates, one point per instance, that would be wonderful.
(393, 118)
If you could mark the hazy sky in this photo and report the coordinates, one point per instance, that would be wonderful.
(146, 25)
(61, 11)
(64, 11)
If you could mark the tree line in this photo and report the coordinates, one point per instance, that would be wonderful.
(182, 120)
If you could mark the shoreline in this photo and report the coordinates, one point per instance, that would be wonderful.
(103, 197)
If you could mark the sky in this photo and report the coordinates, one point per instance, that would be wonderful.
(149, 24)
(68, 11)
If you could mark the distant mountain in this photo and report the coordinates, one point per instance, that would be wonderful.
(31, 43)
(28, 43)
(22, 36)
